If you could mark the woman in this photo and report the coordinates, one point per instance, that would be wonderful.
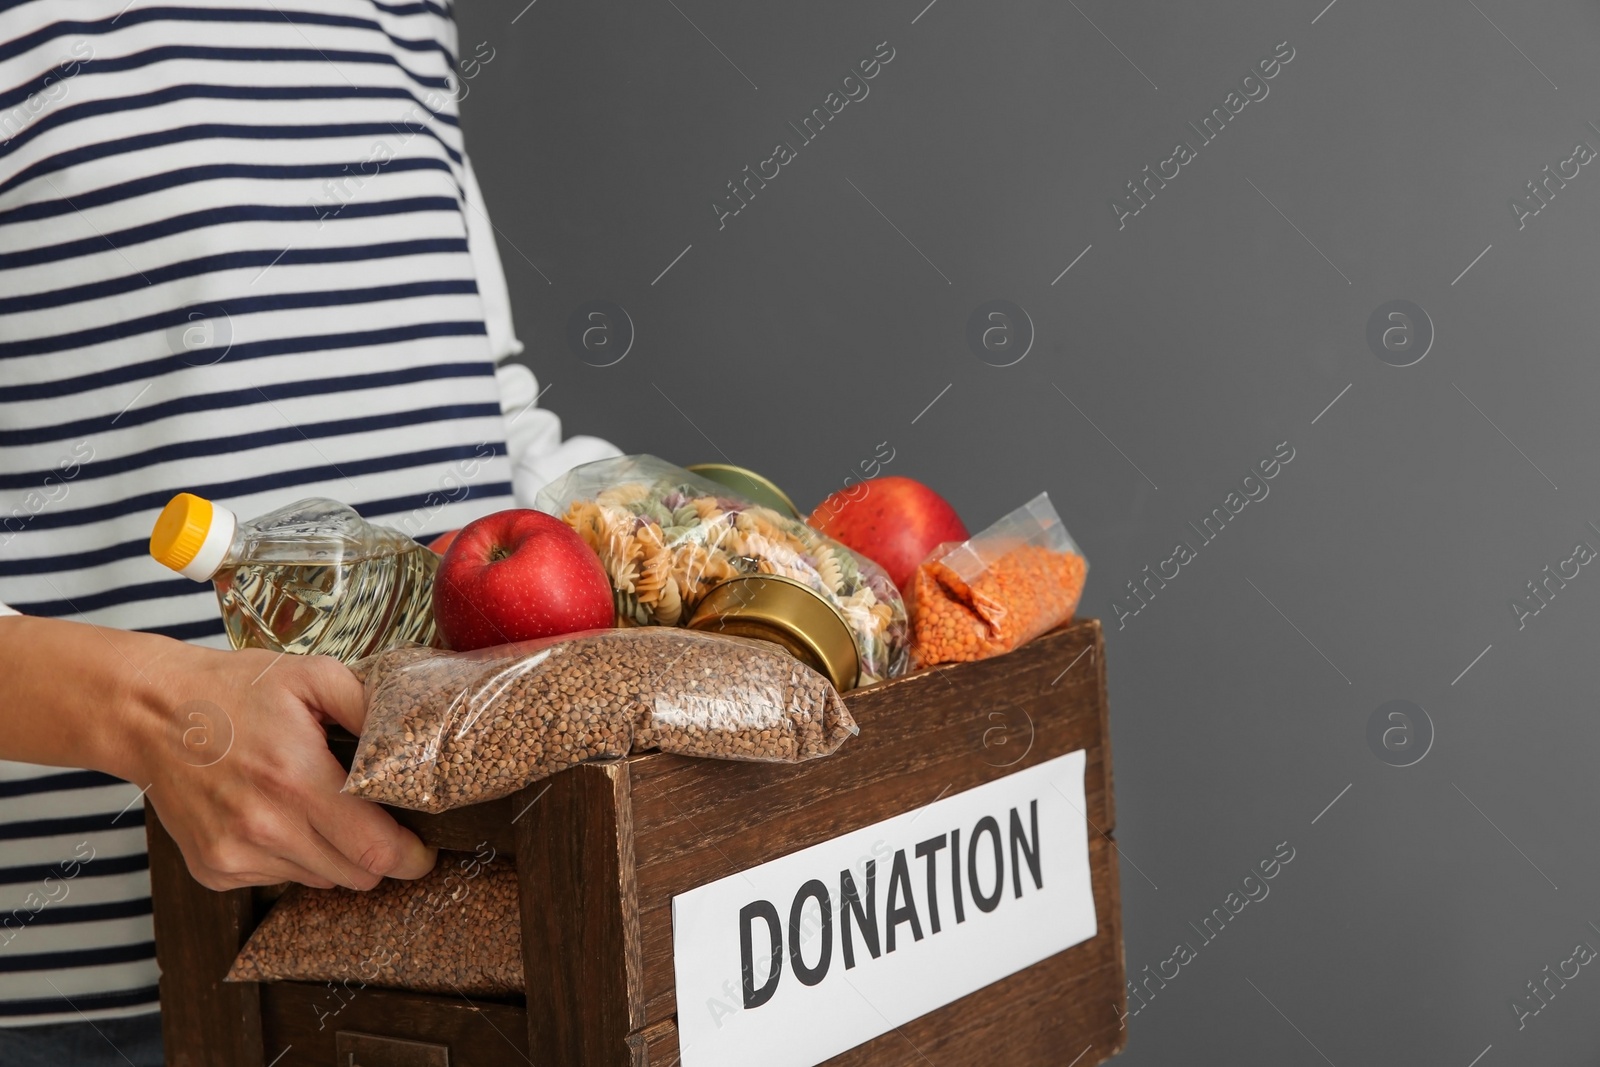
(241, 253)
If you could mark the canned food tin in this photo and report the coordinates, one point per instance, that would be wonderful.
(774, 608)
(749, 484)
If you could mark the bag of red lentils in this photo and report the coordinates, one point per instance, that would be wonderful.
(998, 589)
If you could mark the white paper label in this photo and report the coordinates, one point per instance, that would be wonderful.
(874, 928)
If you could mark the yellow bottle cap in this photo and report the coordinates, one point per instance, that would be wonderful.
(191, 536)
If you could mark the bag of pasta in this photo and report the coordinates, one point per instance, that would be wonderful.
(668, 537)
(998, 589)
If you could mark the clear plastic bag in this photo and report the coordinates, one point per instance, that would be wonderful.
(447, 729)
(455, 930)
(998, 589)
(667, 536)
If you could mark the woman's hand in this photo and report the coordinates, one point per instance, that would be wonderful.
(239, 770)
(230, 745)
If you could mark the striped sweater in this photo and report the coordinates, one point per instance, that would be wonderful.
(241, 253)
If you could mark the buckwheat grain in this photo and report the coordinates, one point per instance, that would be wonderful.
(449, 729)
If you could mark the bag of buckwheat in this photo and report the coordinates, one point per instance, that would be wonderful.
(447, 729)
(456, 929)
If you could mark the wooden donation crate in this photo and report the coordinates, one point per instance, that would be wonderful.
(602, 849)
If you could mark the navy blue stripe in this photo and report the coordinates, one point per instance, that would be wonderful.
(13, 568)
(99, 867)
(217, 53)
(57, 914)
(399, 505)
(155, 98)
(72, 824)
(424, 8)
(187, 631)
(104, 149)
(110, 194)
(261, 483)
(99, 557)
(223, 216)
(78, 957)
(277, 346)
(83, 1002)
(122, 594)
(30, 41)
(162, 320)
(190, 268)
(50, 783)
(218, 446)
(183, 405)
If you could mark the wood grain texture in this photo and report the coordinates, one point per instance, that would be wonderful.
(466, 828)
(601, 849)
(661, 1044)
(580, 925)
(204, 1021)
(301, 1021)
(923, 737)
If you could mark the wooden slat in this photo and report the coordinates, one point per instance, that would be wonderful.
(204, 1021)
(921, 738)
(1102, 698)
(300, 1022)
(661, 1044)
(580, 926)
(466, 828)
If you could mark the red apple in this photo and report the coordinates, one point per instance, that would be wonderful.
(893, 521)
(442, 542)
(515, 576)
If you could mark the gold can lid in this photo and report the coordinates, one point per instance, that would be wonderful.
(749, 484)
(771, 607)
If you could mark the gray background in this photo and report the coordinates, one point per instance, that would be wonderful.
(809, 330)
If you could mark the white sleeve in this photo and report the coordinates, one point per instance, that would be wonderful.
(491, 276)
(533, 437)
(6, 609)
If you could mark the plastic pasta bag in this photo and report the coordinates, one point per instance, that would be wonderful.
(997, 590)
(447, 729)
(667, 537)
(455, 930)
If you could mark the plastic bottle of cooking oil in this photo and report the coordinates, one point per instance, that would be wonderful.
(312, 578)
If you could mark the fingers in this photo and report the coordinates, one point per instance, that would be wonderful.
(272, 811)
(312, 852)
(272, 872)
(366, 835)
(295, 837)
(261, 854)
(334, 692)
(276, 844)
(371, 841)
